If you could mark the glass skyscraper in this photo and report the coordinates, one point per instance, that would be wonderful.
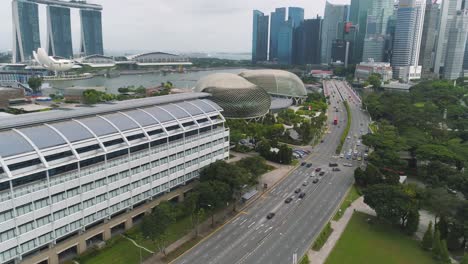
(259, 37)
(358, 17)
(296, 16)
(285, 43)
(277, 20)
(333, 21)
(25, 30)
(91, 32)
(307, 42)
(59, 40)
(453, 65)
(376, 30)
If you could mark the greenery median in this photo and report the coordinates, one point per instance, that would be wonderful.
(346, 131)
(323, 237)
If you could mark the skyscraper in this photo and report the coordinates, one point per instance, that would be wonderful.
(448, 12)
(456, 46)
(91, 32)
(307, 42)
(376, 30)
(334, 18)
(410, 17)
(296, 16)
(358, 17)
(428, 39)
(59, 39)
(285, 43)
(259, 37)
(25, 30)
(277, 19)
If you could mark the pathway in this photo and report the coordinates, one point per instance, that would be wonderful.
(136, 244)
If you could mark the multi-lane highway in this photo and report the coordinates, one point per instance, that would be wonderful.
(252, 238)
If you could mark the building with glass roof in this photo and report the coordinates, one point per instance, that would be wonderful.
(277, 83)
(238, 97)
(69, 175)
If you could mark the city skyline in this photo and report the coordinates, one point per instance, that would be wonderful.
(120, 34)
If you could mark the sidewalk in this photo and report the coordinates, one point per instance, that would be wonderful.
(319, 257)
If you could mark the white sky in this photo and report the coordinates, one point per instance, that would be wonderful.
(172, 25)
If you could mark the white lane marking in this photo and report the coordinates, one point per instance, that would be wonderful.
(251, 224)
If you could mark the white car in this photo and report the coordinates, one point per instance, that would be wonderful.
(347, 164)
(342, 155)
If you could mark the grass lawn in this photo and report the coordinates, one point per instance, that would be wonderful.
(362, 242)
(350, 198)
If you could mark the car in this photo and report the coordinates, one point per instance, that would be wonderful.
(347, 164)
(288, 200)
(309, 165)
(302, 195)
(348, 137)
(342, 155)
(270, 215)
(322, 173)
(333, 164)
(359, 158)
(303, 164)
(305, 183)
(315, 180)
(336, 169)
(318, 169)
(298, 190)
(321, 141)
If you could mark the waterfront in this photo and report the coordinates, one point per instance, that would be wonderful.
(180, 80)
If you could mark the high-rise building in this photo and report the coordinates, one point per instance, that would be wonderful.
(332, 25)
(358, 12)
(277, 20)
(296, 16)
(428, 39)
(285, 43)
(453, 65)
(341, 51)
(91, 32)
(448, 12)
(307, 42)
(59, 37)
(26, 36)
(376, 30)
(259, 37)
(410, 18)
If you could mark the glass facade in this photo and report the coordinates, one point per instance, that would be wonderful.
(59, 32)
(307, 42)
(259, 37)
(26, 30)
(333, 21)
(285, 43)
(296, 16)
(91, 32)
(277, 19)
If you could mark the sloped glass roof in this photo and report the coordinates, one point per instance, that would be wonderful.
(11, 143)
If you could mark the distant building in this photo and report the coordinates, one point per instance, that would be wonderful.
(277, 20)
(377, 23)
(333, 21)
(374, 48)
(9, 93)
(259, 37)
(91, 32)
(405, 58)
(341, 51)
(453, 66)
(307, 40)
(59, 36)
(321, 74)
(358, 14)
(295, 16)
(365, 69)
(428, 38)
(25, 29)
(285, 43)
(75, 93)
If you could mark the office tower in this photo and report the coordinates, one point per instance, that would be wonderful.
(358, 11)
(26, 36)
(277, 20)
(391, 26)
(465, 58)
(333, 23)
(91, 32)
(341, 51)
(428, 39)
(307, 42)
(376, 30)
(296, 16)
(456, 46)
(65, 174)
(410, 17)
(259, 37)
(59, 39)
(448, 12)
(285, 43)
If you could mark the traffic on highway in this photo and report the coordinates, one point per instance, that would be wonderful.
(282, 224)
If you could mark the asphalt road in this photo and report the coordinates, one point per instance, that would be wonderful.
(252, 238)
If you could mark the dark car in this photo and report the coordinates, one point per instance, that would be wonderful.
(298, 190)
(288, 200)
(318, 169)
(336, 169)
(270, 215)
(315, 180)
(303, 164)
(333, 164)
(301, 195)
(309, 165)
(322, 173)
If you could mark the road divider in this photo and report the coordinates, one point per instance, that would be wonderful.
(346, 131)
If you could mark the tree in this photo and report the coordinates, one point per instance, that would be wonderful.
(464, 259)
(35, 83)
(444, 254)
(442, 226)
(375, 80)
(412, 223)
(91, 96)
(436, 245)
(427, 240)
(155, 225)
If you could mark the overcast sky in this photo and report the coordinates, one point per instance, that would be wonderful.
(172, 25)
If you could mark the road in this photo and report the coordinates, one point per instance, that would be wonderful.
(252, 238)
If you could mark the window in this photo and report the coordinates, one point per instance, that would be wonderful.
(73, 192)
(58, 197)
(113, 142)
(205, 129)
(186, 124)
(125, 188)
(60, 155)
(63, 169)
(134, 137)
(191, 133)
(25, 227)
(6, 215)
(75, 225)
(7, 235)
(87, 187)
(155, 132)
(8, 254)
(101, 198)
(155, 163)
(24, 164)
(91, 161)
(45, 238)
(40, 176)
(74, 208)
(176, 137)
(88, 148)
(112, 178)
(88, 203)
(43, 220)
(25, 247)
(139, 148)
(24, 209)
(100, 183)
(117, 154)
(113, 193)
(171, 128)
(158, 142)
(60, 214)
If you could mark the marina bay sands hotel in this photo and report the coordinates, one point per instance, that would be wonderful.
(59, 37)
